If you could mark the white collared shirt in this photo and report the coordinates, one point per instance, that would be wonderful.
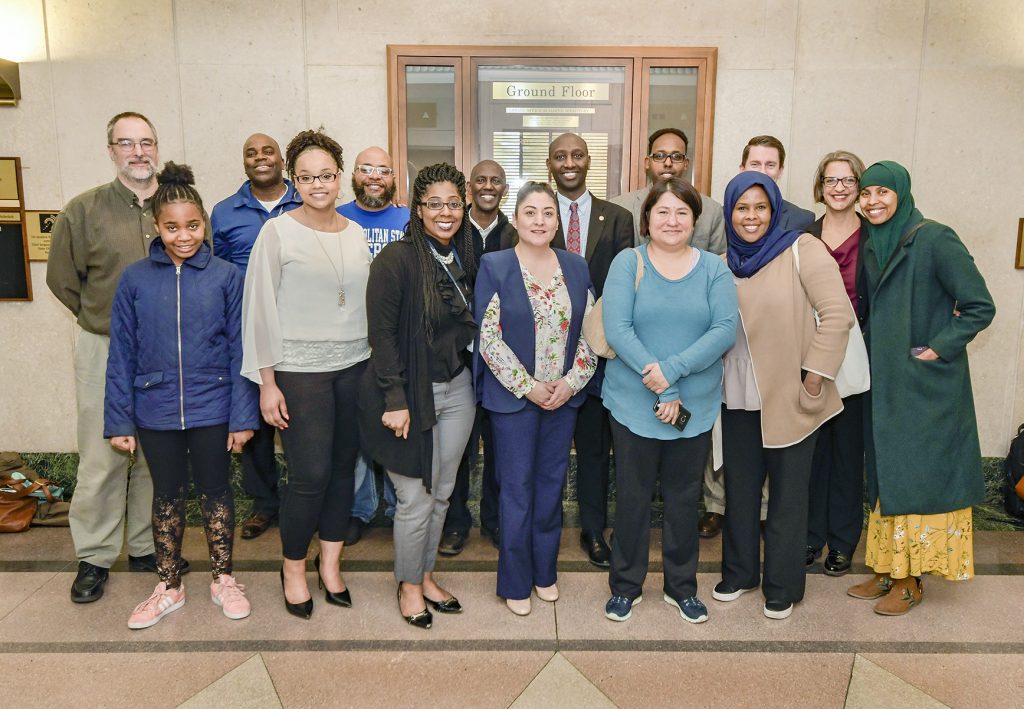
(484, 231)
(583, 205)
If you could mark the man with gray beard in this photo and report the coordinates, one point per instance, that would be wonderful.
(96, 236)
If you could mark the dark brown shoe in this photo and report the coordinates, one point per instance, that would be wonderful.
(256, 525)
(710, 525)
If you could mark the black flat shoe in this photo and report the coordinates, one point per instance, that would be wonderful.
(837, 563)
(301, 610)
(88, 584)
(493, 534)
(812, 556)
(450, 605)
(341, 598)
(423, 619)
(597, 550)
(452, 544)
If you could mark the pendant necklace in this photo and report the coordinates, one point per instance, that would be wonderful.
(341, 277)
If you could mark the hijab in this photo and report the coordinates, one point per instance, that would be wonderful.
(886, 236)
(746, 259)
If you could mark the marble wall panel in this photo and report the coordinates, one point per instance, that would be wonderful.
(267, 32)
(868, 34)
(975, 33)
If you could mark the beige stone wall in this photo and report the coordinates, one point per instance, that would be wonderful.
(935, 85)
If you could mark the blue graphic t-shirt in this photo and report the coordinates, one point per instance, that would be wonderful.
(381, 227)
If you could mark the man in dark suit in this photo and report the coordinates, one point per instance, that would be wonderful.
(765, 153)
(597, 230)
(491, 232)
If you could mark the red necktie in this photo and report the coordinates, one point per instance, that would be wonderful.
(572, 241)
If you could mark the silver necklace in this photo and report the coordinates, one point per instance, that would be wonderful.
(341, 256)
(443, 260)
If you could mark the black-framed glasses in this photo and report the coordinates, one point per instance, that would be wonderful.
(379, 169)
(325, 179)
(833, 181)
(437, 204)
(127, 144)
(661, 156)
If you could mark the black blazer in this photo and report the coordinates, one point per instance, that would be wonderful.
(860, 281)
(610, 231)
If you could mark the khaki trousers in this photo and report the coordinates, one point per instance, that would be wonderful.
(107, 493)
(714, 490)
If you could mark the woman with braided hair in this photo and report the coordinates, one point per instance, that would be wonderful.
(416, 398)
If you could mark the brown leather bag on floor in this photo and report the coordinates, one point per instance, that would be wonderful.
(17, 506)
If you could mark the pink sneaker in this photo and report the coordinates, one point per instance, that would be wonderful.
(229, 595)
(163, 601)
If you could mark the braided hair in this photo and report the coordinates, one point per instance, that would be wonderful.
(175, 183)
(462, 242)
(312, 140)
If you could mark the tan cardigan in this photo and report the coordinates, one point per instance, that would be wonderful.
(777, 318)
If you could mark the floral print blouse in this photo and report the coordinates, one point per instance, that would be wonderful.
(552, 311)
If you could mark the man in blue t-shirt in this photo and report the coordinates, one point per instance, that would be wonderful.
(373, 182)
(236, 223)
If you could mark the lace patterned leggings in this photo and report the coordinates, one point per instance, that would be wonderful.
(171, 454)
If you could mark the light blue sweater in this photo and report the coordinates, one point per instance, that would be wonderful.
(685, 325)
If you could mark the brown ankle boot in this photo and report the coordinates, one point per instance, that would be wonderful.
(904, 595)
(875, 587)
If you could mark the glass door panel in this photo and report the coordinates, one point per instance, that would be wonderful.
(431, 119)
(672, 103)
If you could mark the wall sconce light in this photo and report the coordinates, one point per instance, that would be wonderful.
(10, 83)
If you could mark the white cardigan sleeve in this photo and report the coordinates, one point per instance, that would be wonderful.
(261, 324)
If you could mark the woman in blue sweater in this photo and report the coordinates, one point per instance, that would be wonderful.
(174, 380)
(669, 328)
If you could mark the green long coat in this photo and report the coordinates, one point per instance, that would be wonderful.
(923, 455)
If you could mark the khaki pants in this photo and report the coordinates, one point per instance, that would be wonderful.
(106, 494)
(714, 490)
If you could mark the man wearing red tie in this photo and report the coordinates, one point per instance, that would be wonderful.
(597, 230)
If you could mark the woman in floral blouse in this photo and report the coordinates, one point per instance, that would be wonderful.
(531, 367)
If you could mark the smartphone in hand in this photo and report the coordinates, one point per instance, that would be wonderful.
(681, 420)
(916, 351)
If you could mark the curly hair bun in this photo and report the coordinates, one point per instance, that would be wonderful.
(175, 174)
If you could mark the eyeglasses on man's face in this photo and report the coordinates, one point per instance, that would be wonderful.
(127, 144)
(325, 179)
(663, 156)
(437, 204)
(379, 169)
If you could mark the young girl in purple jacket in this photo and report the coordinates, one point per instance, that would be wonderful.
(174, 382)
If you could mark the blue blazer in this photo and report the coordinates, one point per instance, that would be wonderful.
(500, 273)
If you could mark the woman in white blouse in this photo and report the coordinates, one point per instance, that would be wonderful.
(305, 343)
(532, 366)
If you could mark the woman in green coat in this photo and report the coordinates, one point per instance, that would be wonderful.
(927, 302)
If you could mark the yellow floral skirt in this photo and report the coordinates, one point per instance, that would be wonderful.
(914, 545)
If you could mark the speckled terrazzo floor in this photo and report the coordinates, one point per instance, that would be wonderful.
(961, 648)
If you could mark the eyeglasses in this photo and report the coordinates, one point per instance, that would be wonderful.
(833, 181)
(662, 156)
(379, 169)
(325, 179)
(127, 144)
(437, 204)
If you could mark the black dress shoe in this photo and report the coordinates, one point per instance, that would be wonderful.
(452, 544)
(423, 619)
(493, 534)
(341, 598)
(88, 584)
(837, 563)
(257, 524)
(710, 525)
(302, 610)
(354, 532)
(597, 549)
(812, 556)
(450, 605)
(148, 563)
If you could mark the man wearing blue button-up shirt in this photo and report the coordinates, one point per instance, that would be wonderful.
(237, 221)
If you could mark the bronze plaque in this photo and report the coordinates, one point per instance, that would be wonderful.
(38, 226)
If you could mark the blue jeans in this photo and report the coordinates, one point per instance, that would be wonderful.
(365, 505)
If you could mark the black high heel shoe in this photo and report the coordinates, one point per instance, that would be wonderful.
(342, 598)
(423, 619)
(302, 610)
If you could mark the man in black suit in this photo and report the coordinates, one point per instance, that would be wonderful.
(491, 232)
(598, 230)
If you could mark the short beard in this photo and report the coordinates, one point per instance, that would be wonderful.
(369, 201)
(129, 174)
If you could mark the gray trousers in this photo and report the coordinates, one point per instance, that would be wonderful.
(419, 516)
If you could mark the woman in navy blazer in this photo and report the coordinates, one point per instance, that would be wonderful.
(531, 366)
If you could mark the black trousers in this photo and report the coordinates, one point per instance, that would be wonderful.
(260, 475)
(836, 513)
(459, 518)
(320, 444)
(593, 442)
(788, 469)
(680, 465)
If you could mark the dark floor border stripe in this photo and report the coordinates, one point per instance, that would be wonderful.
(495, 645)
(453, 565)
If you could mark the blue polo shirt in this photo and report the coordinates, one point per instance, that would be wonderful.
(381, 227)
(238, 219)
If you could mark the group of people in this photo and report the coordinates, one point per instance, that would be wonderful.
(374, 335)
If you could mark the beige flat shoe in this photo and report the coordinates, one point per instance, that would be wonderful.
(547, 593)
(520, 607)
